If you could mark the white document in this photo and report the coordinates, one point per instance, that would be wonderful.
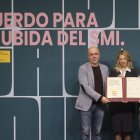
(133, 87)
(114, 87)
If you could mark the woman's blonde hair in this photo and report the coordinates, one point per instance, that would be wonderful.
(128, 57)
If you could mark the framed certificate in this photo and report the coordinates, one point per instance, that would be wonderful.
(123, 89)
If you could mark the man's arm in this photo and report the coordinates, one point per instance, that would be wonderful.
(84, 83)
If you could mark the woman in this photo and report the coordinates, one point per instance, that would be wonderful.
(122, 113)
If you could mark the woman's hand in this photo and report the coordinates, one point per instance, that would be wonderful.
(124, 101)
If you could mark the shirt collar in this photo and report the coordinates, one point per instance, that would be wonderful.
(127, 69)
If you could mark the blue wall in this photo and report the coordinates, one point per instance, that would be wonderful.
(39, 87)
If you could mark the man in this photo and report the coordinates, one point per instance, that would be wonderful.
(92, 78)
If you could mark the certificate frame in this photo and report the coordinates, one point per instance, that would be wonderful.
(125, 89)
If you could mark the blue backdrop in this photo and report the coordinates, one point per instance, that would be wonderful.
(39, 86)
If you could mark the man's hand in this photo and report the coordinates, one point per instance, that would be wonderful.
(104, 100)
